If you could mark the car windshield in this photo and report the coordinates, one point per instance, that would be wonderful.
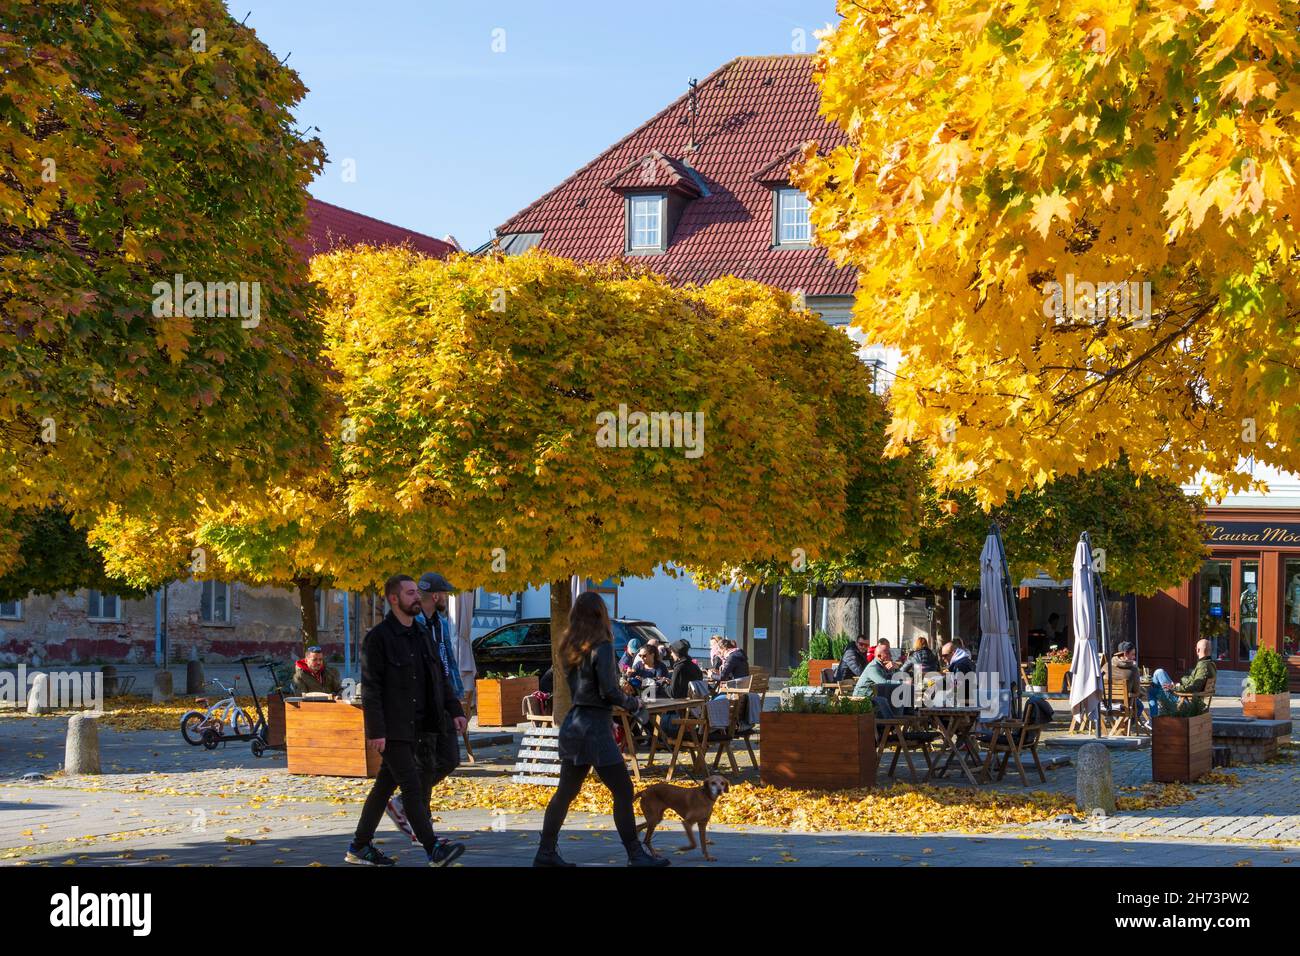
(644, 631)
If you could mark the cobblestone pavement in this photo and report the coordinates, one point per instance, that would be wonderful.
(156, 790)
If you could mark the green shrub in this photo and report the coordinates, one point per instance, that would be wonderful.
(1040, 673)
(799, 673)
(1268, 674)
(1171, 706)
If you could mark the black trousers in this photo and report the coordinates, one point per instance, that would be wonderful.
(438, 755)
(402, 769)
(616, 780)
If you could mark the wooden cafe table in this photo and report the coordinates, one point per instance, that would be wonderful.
(955, 726)
(653, 710)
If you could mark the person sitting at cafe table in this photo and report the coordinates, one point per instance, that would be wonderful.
(734, 662)
(647, 669)
(629, 655)
(684, 671)
(854, 660)
(1163, 687)
(956, 658)
(1124, 670)
(921, 658)
(312, 676)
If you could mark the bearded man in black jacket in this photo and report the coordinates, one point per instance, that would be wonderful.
(408, 702)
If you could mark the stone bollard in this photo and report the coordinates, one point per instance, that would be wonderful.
(162, 686)
(194, 677)
(1095, 785)
(82, 752)
(38, 698)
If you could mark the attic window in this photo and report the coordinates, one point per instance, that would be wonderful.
(645, 222)
(792, 228)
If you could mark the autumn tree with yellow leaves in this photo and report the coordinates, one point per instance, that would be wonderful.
(143, 141)
(495, 404)
(1078, 223)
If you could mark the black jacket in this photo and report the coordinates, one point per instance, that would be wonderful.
(684, 671)
(852, 664)
(594, 682)
(389, 658)
(734, 665)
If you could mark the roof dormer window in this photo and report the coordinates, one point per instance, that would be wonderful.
(792, 227)
(645, 222)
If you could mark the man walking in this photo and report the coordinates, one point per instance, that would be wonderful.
(437, 761)
(408, 703)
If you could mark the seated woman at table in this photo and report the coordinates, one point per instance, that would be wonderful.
(684, 671)
(921, 659)
(647, 669)
(734, 662)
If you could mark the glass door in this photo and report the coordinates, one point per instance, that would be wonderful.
(1217, 607)
(1247, 612)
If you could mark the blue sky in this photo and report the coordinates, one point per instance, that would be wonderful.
(449, 136)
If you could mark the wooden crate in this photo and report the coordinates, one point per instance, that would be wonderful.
(328, 738)
(501, 701)
(1182, 748)
(818, 751)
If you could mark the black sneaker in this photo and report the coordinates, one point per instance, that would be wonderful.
(445, 853)
(550, 856)
(367, 856)
(638, 856)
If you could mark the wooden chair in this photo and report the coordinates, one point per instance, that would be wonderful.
(828, 676)
(906, 733)
(723, 736)
(1118, 709)
(1011, 738)
(534, 714)
(692, 731)
(758, 684)
(1206, 695)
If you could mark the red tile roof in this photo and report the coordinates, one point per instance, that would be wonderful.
(330, 227)
(751, 113)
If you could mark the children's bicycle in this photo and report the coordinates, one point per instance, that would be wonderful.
(225, 720)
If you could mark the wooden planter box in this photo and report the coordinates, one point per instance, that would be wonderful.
(1181, 748)
(501, 702)
(818, 751)
(1268, 707)
(815, 669)
(328, 738)
(1056, 678)
(274, 719)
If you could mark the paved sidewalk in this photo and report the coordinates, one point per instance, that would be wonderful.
(62, 827)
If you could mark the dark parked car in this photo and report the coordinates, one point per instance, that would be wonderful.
(527, 644)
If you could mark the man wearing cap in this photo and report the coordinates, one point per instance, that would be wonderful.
(312, 676)
(684, 670)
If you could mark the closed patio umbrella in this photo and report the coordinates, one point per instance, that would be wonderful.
(1085, 673)
(1000, 629)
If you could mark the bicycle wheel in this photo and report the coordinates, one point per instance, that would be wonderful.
(240, 725)
(190, 727)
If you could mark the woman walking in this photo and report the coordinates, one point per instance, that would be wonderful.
(586, 655)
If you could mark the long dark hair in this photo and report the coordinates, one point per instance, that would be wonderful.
(588, 626)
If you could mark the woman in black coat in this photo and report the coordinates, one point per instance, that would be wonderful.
(586, 736)
(921, 656)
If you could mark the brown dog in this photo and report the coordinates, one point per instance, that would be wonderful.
(694, 806)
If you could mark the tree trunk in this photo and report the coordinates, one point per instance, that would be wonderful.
(561, 602)
(307, 602)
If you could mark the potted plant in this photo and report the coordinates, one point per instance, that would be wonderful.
(821, 654)
(816, 742)
(799, 673)
(1038, 680)
(1266, 695)
(1182, 744)
(501, 697)
(1058, 665)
